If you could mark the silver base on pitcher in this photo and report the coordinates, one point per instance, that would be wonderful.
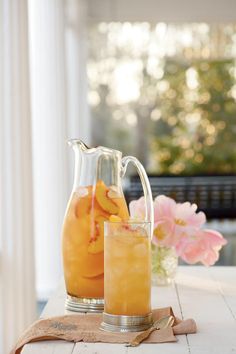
(120, 323)
(84, 304)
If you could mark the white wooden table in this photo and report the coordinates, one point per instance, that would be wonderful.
(206, 294)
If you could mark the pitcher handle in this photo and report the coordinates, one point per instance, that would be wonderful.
(149, 212)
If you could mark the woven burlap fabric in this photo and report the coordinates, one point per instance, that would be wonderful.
(85, 327)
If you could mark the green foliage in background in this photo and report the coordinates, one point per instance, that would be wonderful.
(186, 121)
(153, 94)
(196, 132)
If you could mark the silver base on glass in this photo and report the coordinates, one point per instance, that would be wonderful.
(84, 304)
(120, 323)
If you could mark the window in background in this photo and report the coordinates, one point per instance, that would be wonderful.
(165, 93)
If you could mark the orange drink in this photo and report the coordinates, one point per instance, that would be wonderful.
(127, 260)
(96, 197)
(83, 237)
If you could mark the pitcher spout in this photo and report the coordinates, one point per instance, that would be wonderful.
(79, 143)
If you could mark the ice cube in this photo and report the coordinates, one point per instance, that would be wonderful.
(140, 250)
(81, 192)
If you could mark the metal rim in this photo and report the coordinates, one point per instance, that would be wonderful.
(121, 323)
(84, 304)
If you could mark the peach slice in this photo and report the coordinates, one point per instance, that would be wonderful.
(97, 245)
(93, 265)
(114, 192)
(97, 211)
(115, 218)
(123, 209)
(103, 200)
(86, 287)
(86, 264)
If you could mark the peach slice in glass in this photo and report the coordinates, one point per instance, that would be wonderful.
(123, 209)
(115, 218)
(89, 265)
(97, 245)
(103, 200)
(97, 211)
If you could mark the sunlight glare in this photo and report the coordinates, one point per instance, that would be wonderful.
(192, 78)
(131, 119)
(126, 83)
(161, 29)
(93, 98)
(156, 114)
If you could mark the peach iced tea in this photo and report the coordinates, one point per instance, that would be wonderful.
(127, 260)
(83, 237)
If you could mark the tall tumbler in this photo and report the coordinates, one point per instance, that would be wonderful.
(127, 276)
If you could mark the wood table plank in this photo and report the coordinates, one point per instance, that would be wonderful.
(49, 347)
(206, 294)
(225, 277)
(200, 298)
(99, 348)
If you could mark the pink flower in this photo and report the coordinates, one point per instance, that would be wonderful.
(187, 219)
(137, 209)
(203, 246)
(164, 211)
(179, 226)
(173, 221)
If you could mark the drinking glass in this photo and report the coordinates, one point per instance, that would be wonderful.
(127, 276)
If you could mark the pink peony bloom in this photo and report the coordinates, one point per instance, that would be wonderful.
(203, 247)
(164, 211)
(173, 221)
(179, 225)
(137, 209)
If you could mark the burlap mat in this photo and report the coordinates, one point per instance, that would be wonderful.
(85, 327)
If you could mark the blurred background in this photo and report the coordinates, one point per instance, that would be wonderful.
(155, 79)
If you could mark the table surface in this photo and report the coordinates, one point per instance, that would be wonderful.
(206, 294)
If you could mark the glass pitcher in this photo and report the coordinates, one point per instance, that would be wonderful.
(96, 197)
